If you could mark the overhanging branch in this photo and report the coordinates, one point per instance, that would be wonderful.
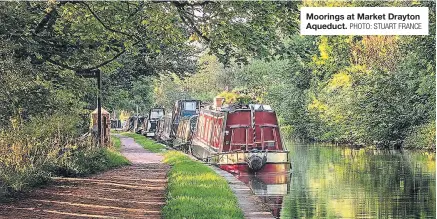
(188, 21)
(105, 25)
(186, 3)
(65, 66)
(52, 14)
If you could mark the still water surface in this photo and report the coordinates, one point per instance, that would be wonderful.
(335, 182)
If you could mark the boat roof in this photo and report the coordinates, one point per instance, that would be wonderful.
(235, 108)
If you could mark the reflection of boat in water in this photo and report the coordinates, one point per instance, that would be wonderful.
(269, 187)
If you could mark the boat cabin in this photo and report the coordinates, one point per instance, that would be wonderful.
(150, 126)
(168, 125)
(183, 109)
(241, 138)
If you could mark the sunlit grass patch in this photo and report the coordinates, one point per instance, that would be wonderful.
(146, 143)
(113, 155)
(116, 142)
(196, 191)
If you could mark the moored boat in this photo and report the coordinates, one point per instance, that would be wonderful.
(171, 128)
(240, 138)
(151, 124)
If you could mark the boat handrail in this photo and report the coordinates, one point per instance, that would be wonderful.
(238, 126)
(259, 151)
(268, 125)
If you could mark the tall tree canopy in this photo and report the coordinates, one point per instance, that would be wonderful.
(87, 35)
(130, 41)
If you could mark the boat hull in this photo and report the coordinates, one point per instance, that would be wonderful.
(236, 162)
(267, 168)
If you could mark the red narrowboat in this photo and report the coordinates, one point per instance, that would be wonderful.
(240, 138)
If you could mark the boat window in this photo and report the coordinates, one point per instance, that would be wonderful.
(255, 106)
(260, 107)
(267, 107)
(191, 106)
(156, 114)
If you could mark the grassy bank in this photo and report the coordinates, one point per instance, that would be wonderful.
(89, 161)
(194, 190)
(115, 158)
(32, 153)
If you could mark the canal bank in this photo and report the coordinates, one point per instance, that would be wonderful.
(251, 205)
(215, 193)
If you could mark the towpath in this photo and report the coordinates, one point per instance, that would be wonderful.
(136, 191)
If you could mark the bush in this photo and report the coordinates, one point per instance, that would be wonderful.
(30, 153)
(422, 137)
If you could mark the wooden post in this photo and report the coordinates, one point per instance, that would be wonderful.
(99, 107)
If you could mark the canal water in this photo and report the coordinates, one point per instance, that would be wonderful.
(337, 182)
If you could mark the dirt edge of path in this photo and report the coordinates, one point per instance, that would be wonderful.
(135, 191)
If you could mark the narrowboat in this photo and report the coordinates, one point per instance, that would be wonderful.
(134, 124)
(240, 138)
(168, 126)
(150, 125)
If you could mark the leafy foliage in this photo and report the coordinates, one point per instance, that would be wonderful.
(345, 89)
(32, 152)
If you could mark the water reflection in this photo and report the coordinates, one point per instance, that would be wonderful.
(333, 182)
(270, 188)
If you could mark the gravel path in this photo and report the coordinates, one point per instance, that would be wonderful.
(136, 191)
(136, 154)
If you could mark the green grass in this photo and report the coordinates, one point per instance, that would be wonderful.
(115, 159)
(91, 161)
(116, 142)
(196, 191)
(146, 143)
(113, 155)
(74, 163)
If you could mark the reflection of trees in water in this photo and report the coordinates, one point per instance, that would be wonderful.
(341, 182)
(299, 203)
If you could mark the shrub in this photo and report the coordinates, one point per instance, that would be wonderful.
(422, 137)
(32, 152)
